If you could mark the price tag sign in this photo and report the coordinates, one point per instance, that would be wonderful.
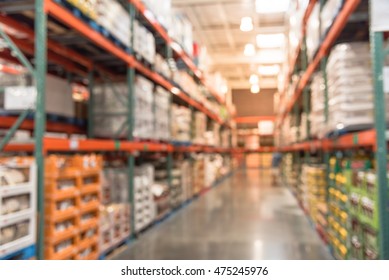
(355, 139)
(145, 147)
(73, 144)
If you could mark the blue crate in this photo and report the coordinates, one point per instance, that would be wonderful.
(22, 254)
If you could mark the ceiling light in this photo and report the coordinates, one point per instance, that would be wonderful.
(224, 89)
(269, 7)
(246, 24)
(271, 56)
(254, 79)
(255, 89)
(270, 41)
(272, 70)
(249, 50)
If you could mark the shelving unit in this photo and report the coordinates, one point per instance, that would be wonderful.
(84, 69)
(373, 140)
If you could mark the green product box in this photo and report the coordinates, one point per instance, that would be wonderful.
(356, 249)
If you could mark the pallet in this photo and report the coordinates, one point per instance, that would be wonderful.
(22, 254)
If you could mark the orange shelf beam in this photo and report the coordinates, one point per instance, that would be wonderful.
(348, 141)
(253, 119)
(339, 23)
(7, 122)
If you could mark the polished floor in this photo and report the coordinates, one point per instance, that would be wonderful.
(243, 218)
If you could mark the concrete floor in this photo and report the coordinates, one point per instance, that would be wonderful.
(243, 218)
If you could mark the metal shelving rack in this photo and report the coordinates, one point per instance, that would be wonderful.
(46, 50)
(374, 139)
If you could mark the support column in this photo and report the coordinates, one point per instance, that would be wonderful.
(377, 41)
(40, 115)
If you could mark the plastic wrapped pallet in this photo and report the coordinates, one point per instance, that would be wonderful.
(329, 13)
(144, 43)
(20, 94)
(200, 127)
(110, 99)
(181, 126)
(313, 32)
(115, 19)
(144, 205)
(186, 180)
(317, 117)
(350, 87)
(162, 114)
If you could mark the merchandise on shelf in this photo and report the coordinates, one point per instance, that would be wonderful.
(328, 14)
(161, 10)
(111, 109)
(115, 19)
(17, 204)
(176, 189)
(200, 128)
(181, 31)
(20, 94)
(162, 66)
(72, 200)
(317, 117)
(350, 87)
(181, 126)
(313, 32)
(198, 173)
(144, 204)
(115, 211)
(162, 194)
(162, 114)
(295, 14)
(315, 188)
(144, 43)
(186, 180)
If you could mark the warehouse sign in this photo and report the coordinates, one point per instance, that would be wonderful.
(380, 15)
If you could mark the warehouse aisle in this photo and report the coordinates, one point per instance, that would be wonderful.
(243, 218)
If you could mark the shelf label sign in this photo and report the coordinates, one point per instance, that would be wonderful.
(355, 139)
(73, 144)
(379, 15)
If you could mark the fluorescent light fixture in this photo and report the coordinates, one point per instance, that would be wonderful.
(255, 89)
(249, 50)
(175, 90)
(271, 7)
(246, 24)
(270, 41)
(271, 56)
(271, 70)
(254, 79)
(224, 89)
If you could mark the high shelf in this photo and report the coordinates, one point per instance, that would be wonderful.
(44, 47)
(373, 140)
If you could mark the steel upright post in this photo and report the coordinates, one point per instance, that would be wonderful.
(40, 115)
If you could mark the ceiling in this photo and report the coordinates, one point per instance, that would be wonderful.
(217, 26)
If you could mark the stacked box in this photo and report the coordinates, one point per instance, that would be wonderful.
(200, 127)
(144, 109)
(17, 204)
(111, 110)
(163, 196)
(350, 87)
(328, 14)
(144, 205)
(181, 31)
(338, 216)
(115, 19)
(198, 173)
(186, 179)
(162, 66)
(181, 126)
(72, 202)
(176, 189)
(317, 117)
(162, 114)
(313, 32)
(20, 94)
(161, 10)
(314, 180)
(115, 213)
(144, 43)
